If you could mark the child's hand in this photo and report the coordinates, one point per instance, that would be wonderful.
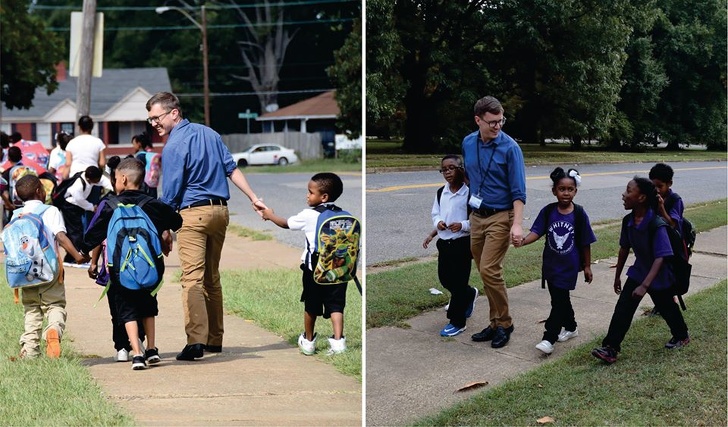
(441, 225)
(455, 227)
(266, 213)
(588, 276)
(617, 285)
(166, 242)
(427, 241)
(93, 272)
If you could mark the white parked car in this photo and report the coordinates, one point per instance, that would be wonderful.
(265, 154)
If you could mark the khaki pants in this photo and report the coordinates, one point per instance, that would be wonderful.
(489, 241)
(200, 242)
(39, 301)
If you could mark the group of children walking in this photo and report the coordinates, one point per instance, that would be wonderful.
(567, 251)
(133, 311)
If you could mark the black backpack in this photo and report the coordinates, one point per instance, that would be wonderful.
(678, 262)
(688, 230)
(58, 197)
(579, 224)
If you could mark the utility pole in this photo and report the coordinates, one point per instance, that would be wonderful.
(86, 56)
(205, 75)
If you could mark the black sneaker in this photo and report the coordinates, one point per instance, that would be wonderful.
(675, 343)
(152, 356)
(607, 354)
(138, 363)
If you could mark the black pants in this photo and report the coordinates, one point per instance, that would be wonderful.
(453, 269)
(561, 316)
(118, 331)
(627, 306)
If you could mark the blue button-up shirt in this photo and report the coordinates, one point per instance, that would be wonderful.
(496, 170)
(196, 164)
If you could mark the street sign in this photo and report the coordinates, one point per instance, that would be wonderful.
(247, 115)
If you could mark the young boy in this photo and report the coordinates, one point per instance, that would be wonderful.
(450, 219)
(134, 305)
(78, 210)
(327, 300)
(44, 300)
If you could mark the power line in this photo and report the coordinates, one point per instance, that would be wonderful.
(278, 92)
(209, 7)
(192, 27)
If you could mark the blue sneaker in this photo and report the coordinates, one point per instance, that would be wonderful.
(469, 311)
(450, 331)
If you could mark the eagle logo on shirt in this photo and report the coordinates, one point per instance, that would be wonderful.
(561, 237)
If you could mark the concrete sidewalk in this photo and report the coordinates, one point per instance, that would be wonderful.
(258, 379)
(414, 372)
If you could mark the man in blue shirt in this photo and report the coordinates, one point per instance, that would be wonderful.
(497, 180)
(194, 182)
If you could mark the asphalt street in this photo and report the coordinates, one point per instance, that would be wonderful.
(398, 204)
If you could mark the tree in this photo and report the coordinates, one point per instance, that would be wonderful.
(346, 74)
(263, 50)
(690, 42)
(29, 55)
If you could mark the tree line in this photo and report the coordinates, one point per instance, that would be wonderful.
(622, 73)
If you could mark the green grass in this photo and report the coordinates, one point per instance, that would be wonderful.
(344, 164)
(249, 233)
(648, 385)
(384, 155)
(389, 305)
(47, 392)
(271, 299)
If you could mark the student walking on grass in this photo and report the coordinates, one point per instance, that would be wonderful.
(450, 219)
(141, 304)
(47, 300)
(567, 251)
(319, 300)
(648, 274)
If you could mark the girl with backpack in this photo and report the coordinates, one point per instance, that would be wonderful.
(648, 274)
(566, 252)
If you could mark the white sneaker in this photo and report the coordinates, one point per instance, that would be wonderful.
(307, 347)
(567, 335)
(337, 346)
(122, 355)
(545, 346)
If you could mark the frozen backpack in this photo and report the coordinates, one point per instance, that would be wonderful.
(134, 248)
(336, 248)
(30, 260)
(152, 167)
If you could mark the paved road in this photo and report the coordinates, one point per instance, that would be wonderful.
(398, 204)
(286, 194)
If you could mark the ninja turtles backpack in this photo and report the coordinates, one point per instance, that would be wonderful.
(336, 249)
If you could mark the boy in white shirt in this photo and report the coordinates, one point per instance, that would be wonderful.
(450, 218)
(44, 300)
(78, 211)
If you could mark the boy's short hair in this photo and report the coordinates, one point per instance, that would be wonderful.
(93, 173)
(27, 186)
(458, 159)
(330, 184)
(133, 168)
(14, 154)
(662, 171)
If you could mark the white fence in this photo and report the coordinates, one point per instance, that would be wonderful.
(306, 145)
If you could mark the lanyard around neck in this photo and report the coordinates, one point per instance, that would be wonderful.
(484, 173)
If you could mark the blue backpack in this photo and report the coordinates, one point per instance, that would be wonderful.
(336, 249)
(29, 258)
(134, 248)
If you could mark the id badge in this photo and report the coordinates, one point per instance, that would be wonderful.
(475, 201)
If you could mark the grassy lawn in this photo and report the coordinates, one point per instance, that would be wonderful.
(45, 392)
(271, 299)
(389, 155)
(649, 385)
(350, 163)
(392, 305)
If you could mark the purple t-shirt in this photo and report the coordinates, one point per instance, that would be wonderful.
(637, 238)
(561, 253)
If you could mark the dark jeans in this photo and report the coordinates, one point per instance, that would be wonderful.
(453, 269)
(561, 316)
(627, 306)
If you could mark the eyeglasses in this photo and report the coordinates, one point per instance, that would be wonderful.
(495, 123)
(157, 119)
(450, 168)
